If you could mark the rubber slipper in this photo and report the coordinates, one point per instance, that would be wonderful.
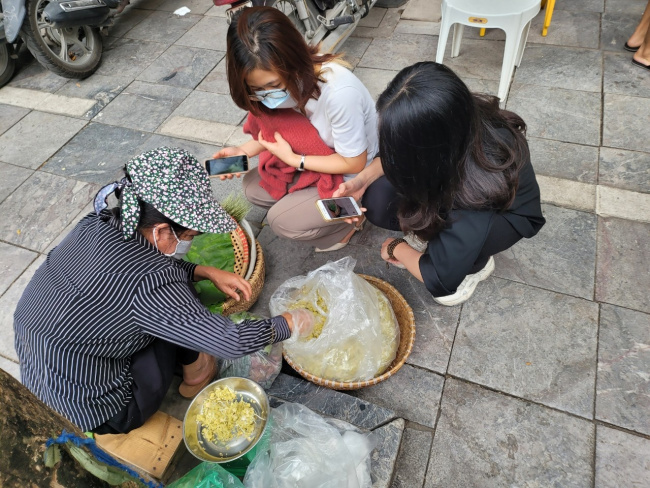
(640, 65)
(627, 47)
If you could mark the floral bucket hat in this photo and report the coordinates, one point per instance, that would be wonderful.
(175, 183)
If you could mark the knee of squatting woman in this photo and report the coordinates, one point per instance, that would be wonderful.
(454, 174)
(271, 68)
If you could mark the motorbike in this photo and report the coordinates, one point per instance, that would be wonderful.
(325, 22)
(63, 35)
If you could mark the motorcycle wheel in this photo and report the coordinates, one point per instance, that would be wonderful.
(7, 64)
(287, 8)
(73, 52)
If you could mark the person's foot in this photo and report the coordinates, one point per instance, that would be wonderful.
(467, 287)
(641, 60)
(197, 375)
(340, 245)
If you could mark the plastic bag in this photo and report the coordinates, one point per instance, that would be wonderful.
(262, 366)
(356, 335)
(207, 475)
(307, 451)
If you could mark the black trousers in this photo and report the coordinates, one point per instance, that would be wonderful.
(382, 203)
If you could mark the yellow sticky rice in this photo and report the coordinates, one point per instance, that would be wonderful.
(223, 417)
(320, 311)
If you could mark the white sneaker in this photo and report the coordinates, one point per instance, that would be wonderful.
(467, 287)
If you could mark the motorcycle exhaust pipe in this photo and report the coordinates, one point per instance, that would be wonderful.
(75, 13)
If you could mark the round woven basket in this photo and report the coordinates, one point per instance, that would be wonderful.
(257, 282)
(406, 321)
(241, 249)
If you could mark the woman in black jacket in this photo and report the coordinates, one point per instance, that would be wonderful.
(454, 174)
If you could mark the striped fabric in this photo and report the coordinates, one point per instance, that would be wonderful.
(96, 301)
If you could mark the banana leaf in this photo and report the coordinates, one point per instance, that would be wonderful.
(212, 250)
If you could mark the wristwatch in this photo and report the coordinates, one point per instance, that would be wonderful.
(302, 163)
(391, 247)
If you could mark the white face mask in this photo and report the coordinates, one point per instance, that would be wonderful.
(182, 247)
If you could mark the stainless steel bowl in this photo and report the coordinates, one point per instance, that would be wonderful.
(220, 452)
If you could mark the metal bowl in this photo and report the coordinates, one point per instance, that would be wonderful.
(223, 452)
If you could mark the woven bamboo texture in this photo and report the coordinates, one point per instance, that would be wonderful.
(406, 321)
(257, 282)
(242, 251)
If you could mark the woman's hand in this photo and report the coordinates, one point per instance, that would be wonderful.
(280, 149)
(227, 282)
(227, 152)
(352, 188)
(301, 322)
(384, 252)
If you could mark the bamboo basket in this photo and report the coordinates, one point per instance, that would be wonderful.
(242, 259)
(406, 321)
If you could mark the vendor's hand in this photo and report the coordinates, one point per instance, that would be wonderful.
(227, 152)
(229, 283)
(280, 149)
(301, 322)
(384, 252)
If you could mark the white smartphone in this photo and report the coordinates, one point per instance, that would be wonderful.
(338, 208)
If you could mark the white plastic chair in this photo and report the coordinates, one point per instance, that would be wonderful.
(512, 16)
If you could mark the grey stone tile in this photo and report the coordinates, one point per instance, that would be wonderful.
(98, 87)
(616, 29)
(386, 26)
(623, 386)
(30, 142)
(210, 106)
(127, 20)
(631, 8)
(475, 85)
(8, 303)
(41, 207)
(142, 106)
(354, 48)
(375, 80)
(215, 11)
(561, 67)
(129, 57)
(400, 391)
(555, 113)
(426, 10)
(487, 439)
(570, 29)
(200, 150)
(216, 81)
(146, 4)
(418, 27)
(12, 178)
(531, 343)
(479, 59)
(413, 457)
(36, 77)
(162, 27)
(623, 247)
(198, 7)
(181, 66)
(208, 33)
(561, 257)
(621, 127)
(331, 403)
(564, 160)
(621, 459)
(10, 367)
(581, 6)
(624, 169)
(13, 261)
(384, 457)
(374, 18)
(399, 51)
(623, 78)
(97, 154)
(9, 115)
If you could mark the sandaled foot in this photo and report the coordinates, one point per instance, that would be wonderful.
(641, 64)
(340, 245)
(197, 375)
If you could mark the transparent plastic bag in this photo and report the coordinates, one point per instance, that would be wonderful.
(356, 335)
(307, 451)
(262, 366)
(207, 475)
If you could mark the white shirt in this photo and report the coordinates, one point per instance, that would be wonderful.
(345, 114)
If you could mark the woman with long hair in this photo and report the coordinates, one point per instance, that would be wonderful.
(279, 79)
(454, 174)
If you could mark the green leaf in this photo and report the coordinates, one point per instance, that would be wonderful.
(52, 456)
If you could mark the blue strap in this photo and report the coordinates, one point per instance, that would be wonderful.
(100, 455)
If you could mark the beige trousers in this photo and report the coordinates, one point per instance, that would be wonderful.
(295, 215)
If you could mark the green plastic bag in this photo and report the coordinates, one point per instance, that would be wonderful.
(207, 475)
(212, 250)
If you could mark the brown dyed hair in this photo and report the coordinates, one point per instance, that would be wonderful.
(264, 38)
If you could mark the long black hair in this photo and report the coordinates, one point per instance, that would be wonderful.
(441, 149)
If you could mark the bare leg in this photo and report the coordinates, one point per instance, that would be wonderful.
(640, 35)
(643, 54)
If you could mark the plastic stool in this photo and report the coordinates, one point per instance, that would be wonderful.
(510, 16)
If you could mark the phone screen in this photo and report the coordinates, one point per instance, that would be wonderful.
(339, 208)
(221, 166)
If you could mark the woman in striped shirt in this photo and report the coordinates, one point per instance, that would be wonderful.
(105, 320)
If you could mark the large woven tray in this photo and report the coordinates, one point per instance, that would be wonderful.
(406, 321)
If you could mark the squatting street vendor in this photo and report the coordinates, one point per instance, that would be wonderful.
(106, 319)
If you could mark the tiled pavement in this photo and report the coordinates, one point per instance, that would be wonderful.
(541, 379)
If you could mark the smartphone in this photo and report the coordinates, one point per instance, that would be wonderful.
(224, 166)
(338, 208)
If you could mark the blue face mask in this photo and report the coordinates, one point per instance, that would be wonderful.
(271, 101)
